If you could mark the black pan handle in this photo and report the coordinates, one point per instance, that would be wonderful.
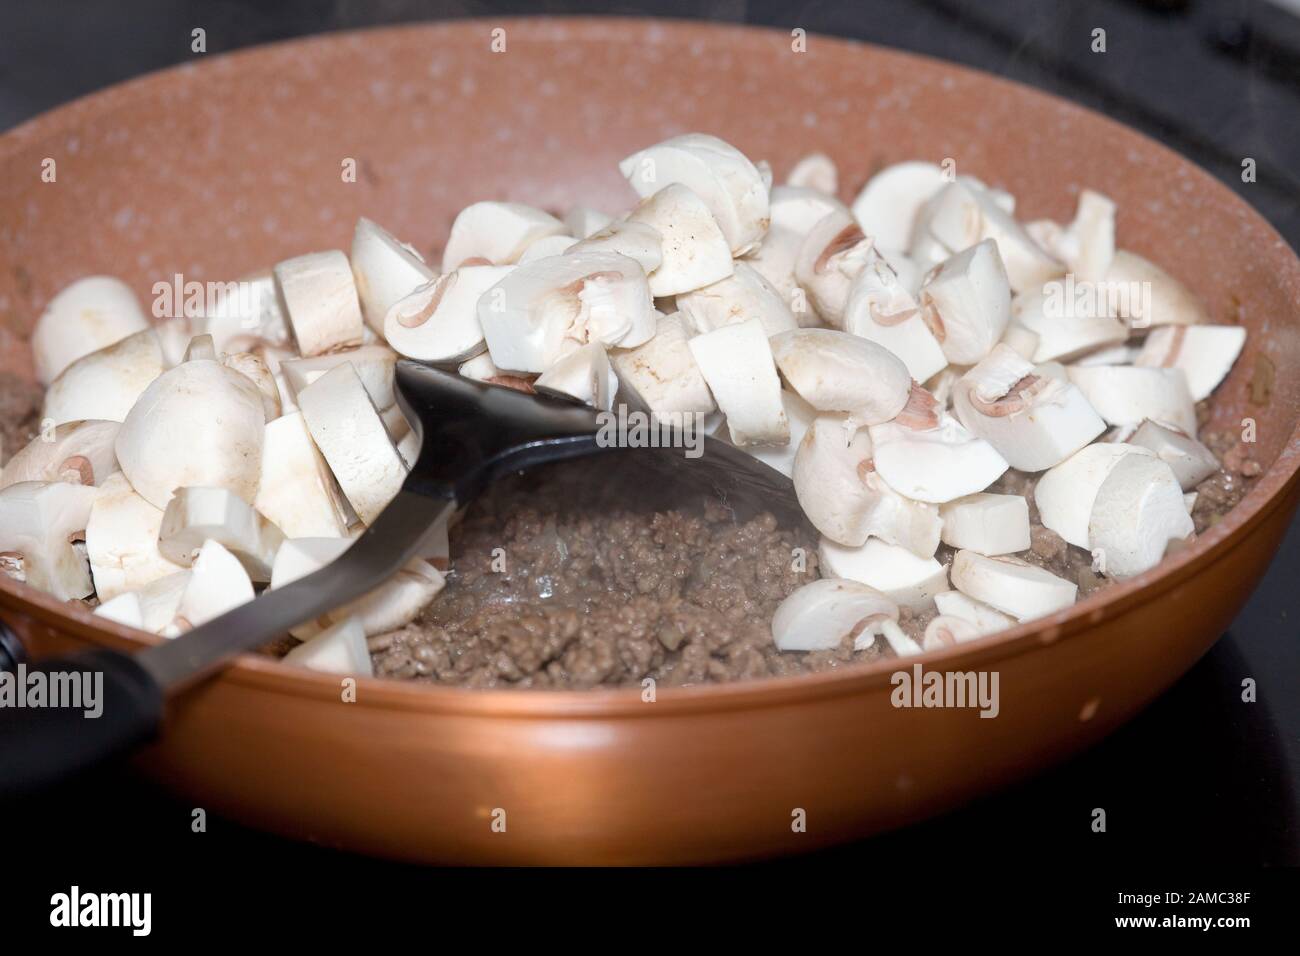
(115, 706)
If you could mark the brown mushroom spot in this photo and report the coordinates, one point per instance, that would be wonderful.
(413, 320)
(933, 321)
(476, 261)
(517, 382)
(1017, 398)
(866, 467)
(846, 238)
(921, 411)
(77, 470)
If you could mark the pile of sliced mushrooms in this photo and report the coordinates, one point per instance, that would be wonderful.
(185, 465)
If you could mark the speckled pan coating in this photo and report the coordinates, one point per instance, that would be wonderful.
(225, 166)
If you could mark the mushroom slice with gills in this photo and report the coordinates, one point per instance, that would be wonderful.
(86, 316)
(584, 374)
(395, 603)
(987, 523)
(1147, 295)
(822, 613)
(1010, 585)
(122, 540)
(722, 176)
(217, 583)
(693, 249)
(987, 619)
(847, 501)
(545, 247)
(743, 295)
(639, 241)
(1126, 394)
(297, 491)
(894, 571)
(374, 365)
(1205, 353)
(662, 372)
(197, 515)
(341, 649)
(481, 369)
(968, 303)
(1065, 494)
(736, 362)
(540, 311)
(800, 415)
(351, 436)
(815, 171)
(496, 233)
(583, 221)
(881, 309)
(105, 384)
(77, 452)
(926, 454)
(834, 371)
(1190, 461)
(254, 368)
(1034, 420)
(384, 270)
(320, 302)
(1064, 331)
(438, 322)
(197, 424)
(888, 205)
(947, 631)
(1139, 509)
(830, 258)
(38, 522)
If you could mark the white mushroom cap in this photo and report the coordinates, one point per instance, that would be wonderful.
(893, 570)
(438, 322)
(297, 491)
(38, 521)
(1139, 509)
(693, 248)
(662, 372)
(836, 371)
(1191, 461)
(888, 204)
(1125, 395)
(583, 221)
(105, 384)
(969, 303)
(881, 308)
(822, 613)
(88, 315)
(833, 253)
(497, 232)
(636, 240)
(1065, 493)
(254, 368)
(320, 302)
(743, 295)
(545, 247)
(1172, 303)
(730, 185)
(1066, 336)
(1205, 353)
(384, 271)
(544, 309)
(1034, 420)
(584, 374)
(78, 452)
(374, 365)
(122, 540)
(1010, 585)
(986, 619)
(800, 415)
(217, 583)
(197, 424)
(197, 515)
(340, 650)
(736, 362)
(815, 171)
(987, 523)
(347, 429)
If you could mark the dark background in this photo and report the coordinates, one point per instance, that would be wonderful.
(1201, 782)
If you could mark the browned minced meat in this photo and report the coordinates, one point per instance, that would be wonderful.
(20, 413)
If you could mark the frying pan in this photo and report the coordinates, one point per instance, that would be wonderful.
(217, 169)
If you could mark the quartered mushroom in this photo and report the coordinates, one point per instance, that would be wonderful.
(821, 614)
(297, 491)
(583, 221)
(988, 523)
(888, 205)
(79, 452)
(86, 316)
(374, 365)
(662, 373)
(832, 255)
(1034, 420)
(986, 618)
(800, 415)
(151, 608)
(882, 309)
(736, 362)
(815, 171)
(39, 522)
(122, 540)
(584, 374)
(730, 185)
(197, 515)
(694, 252)
(637, 240)
(745, 294)
(217, 583)
(320, 302)
(1138, 511)
(254, 368)
(495, 233)
(1204, 353)
(1126, 395)
(106, 383)
(893, 570)
(948, 631)
(1171, 302)
(384, 270)
(967, 303)
(835, 371)
(1011, 585)
(1190, 461)
(1065, 494)
(341, 649)
(438, 321)
(1062, 337)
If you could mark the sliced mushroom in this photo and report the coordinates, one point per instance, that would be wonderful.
(800, 415)
(152, 608)
(545, 247)
(693, 248)
(945, 631)
(77, 452)
(247, 314)
(1171, 302)
(1010, 585)
(1191, 461)
(583, 221)
(1064, 336)
(888, 204)
(637, 240)
(197, 515)
(124, 609)
(775, 261)
(438, 322)
(723, 177)
(1065, 493)
(197, 424)
(481, 369)
(836, 371)
(38, 522)
(1093, 235)
(662, 372)
(815, 171)
(496, 233)
(881, 308)
(374, 365)
(297, 491)
(1139, 509)
(822, 613)
(894, 571)
(1021, 340)
(105, 384)
(987, 523)
(968, 303)
(122, 540)
(584, 374)
(320, 302)
(833, 253)
(1125, 395)
(347, 429)
(1112, 355)
(1205, 353)
(985, 618)
(799, 208)
(736, 362)
(254, 368)
(217, 583)
(384, 270)
(743, 295)
(341, 649)
(1034, 420)
(88, 315)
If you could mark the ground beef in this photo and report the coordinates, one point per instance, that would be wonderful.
(20, 413)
